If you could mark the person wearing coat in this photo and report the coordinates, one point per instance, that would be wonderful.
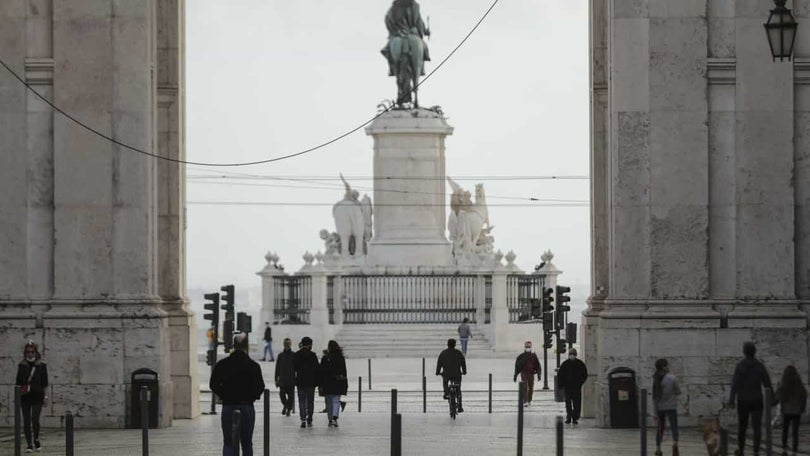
(32, 375)
(451, 365)
(570, 378)
(334, 381)
(527, 365)
(285, 378)
(750, 377)
(306, 368)
(792, 397)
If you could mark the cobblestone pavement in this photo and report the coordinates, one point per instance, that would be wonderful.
(368, 432)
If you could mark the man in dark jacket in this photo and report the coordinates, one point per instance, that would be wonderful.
(527, 365)
(570, 377)
(237, 380)
(750, 376)
(305, 364)
(451, 366)
(285, 378)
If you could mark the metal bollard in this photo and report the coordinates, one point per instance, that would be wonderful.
(643, 422)
(768, 425)
(490, 392)
(369, 373)
(423, 367)
(396, 435)
(723, 442)
(69, 434)
(424, 394)
(145, 420)
(266, 422)
(17, 423)
(236, 432)
(521, 393)
(359, 394)
(559, 436)
(394, 414)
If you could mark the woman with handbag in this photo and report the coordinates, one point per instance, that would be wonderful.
(32, 378)
(334, 381)
(792, 396)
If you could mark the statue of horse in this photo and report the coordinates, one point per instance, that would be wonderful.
(406, 50)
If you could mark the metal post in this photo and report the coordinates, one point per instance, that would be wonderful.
(369, 373)
(214, 396)
(768, 426)
(423, 367)
(521, 392)
(145, 420)
(266, 422)
(394, 449)
(545, 364)
(359, 394)
(723, 442)
(424, 394)
(490, 392)
(396, 435)
(236, 432)
(557, 347)
(559, 436)
(17, 423)
(643, 422)
(69, 434)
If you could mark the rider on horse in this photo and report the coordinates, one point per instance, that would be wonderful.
(404, 21)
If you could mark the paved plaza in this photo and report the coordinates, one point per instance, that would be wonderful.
(368, 432)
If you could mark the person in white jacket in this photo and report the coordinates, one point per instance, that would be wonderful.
(665, 398)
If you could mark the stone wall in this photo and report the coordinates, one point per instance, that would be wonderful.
(698, 213)
(92, 234)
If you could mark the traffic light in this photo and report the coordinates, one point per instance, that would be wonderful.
(244, 322)
(548, 322)
(561, 299)
(547, 300)
(548, 340)
(213, 306)
(211, 357)
(571, 333)
(227, 335)
(228, 301)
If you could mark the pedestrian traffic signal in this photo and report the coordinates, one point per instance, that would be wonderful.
(227, 335)
(244, 322)
(547, 300)
(548, 322)
(213, 306)
(228, 301)
(571, 333)
(211, 357)
(562, 308)
(548, 339)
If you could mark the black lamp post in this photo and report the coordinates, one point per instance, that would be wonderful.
(781, 31)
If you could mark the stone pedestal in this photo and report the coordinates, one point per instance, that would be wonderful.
(409, 189)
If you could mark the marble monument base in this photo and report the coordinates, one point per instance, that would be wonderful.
(410, 253)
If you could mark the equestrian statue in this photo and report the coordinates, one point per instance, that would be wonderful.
(406, 50)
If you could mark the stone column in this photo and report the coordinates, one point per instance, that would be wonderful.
(409, 189)
(319, 314)
(499, 315)
(268, 273)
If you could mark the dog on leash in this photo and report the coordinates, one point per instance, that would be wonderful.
(711, 436)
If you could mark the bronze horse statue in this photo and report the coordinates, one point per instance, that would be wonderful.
(406, 50)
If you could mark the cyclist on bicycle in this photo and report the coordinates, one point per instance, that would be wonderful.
(451, 366)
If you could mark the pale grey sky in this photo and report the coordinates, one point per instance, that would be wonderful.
(272, 77)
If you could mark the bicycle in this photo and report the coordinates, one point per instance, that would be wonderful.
(454, 396)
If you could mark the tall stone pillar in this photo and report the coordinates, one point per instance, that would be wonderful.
(694, 238)
(409, 189)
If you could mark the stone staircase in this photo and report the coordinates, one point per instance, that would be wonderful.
(407, 341)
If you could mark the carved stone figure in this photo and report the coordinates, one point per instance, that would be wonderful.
(406, 50)
(468, 222)
(352, 218)
(331, 242)
(368, 211)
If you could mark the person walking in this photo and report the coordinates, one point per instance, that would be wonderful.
(268, 342)
(451, 365)
(527, 365)
(32, 378)
(665, 399)
(464, 333)
(750, 376)
(238, 381)
(305, 364)
(334, 381)
(285, 378)
(570, 377)
(792, 397)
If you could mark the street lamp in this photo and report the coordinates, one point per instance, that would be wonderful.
(781, 31)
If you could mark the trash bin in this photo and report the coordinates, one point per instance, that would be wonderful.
(149, 378)
(623, 398)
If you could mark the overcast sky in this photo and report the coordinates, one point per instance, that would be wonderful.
(271, 77)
